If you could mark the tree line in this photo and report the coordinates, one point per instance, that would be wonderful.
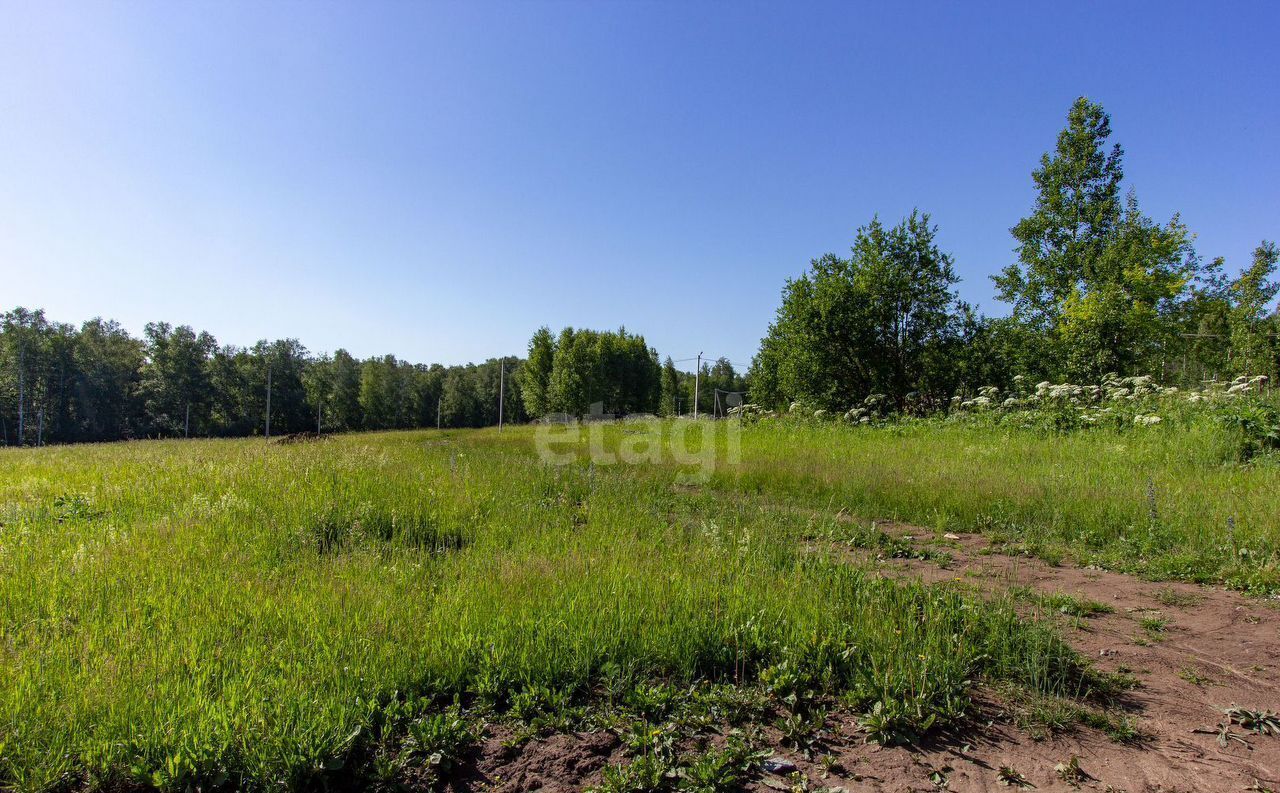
(581, 372)
(1097, 287)
(585, 372)
(63, 384)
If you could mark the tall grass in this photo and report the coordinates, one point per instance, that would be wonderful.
(1168, 502)
(180, 614)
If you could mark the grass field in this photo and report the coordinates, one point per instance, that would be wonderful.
(1168, 502)
(180, 614)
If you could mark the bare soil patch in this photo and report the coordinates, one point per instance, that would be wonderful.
(1194, 650)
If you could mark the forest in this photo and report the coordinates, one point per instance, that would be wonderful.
(62, 384)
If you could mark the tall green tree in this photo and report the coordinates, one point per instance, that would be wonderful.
(462, 404)
(670, 395)
(1253, 346)
(616, 371)
(345, 410)
(572, 383)
(287, 361)
(535, 377)
(428, 388)
(870, 323)
(1096, 282)
(1203, 323)
(107, 365)
(317, 379)
(175, 378)
(1077, 207)
(25, 350)
(384, 399)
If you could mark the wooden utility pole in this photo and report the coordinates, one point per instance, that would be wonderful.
(697, 374)
(319, 414)
(186, 429)
(268, 403)
(439, 403)
(502, 388)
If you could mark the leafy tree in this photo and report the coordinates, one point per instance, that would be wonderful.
(629, 374)
(1252, 343)
(573, 372)
(287, 360)
(317, 379)
(866, 324)
(986, 352)
(234, 405)
(107, 365)
(616, 370)
(1077, 207)
(1122, 317)
(25, 346)
(461, 403)
(428, 387)
(57, 417)
(345, 410)
(535, 377)
(1096, 282)
(669, 406)
(766, 388)
(175, 378)
(384, 398)
(1203, 323)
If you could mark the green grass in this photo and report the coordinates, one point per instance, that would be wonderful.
(1166, 502)
(1060, 602)
(182, 614)
(186, 613)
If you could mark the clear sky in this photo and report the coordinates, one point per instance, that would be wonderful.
(436, 180)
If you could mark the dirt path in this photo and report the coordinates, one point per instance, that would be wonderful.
(1195, 651)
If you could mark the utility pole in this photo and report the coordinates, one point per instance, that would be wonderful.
(502, 387)
(40, 429)
(319, 414)
(697, 374)
(186, 429)
(268, 403)
(439, 403)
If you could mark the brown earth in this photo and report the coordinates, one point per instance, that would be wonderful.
(1216, 649)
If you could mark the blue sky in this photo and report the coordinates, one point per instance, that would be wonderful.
(436, 180)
